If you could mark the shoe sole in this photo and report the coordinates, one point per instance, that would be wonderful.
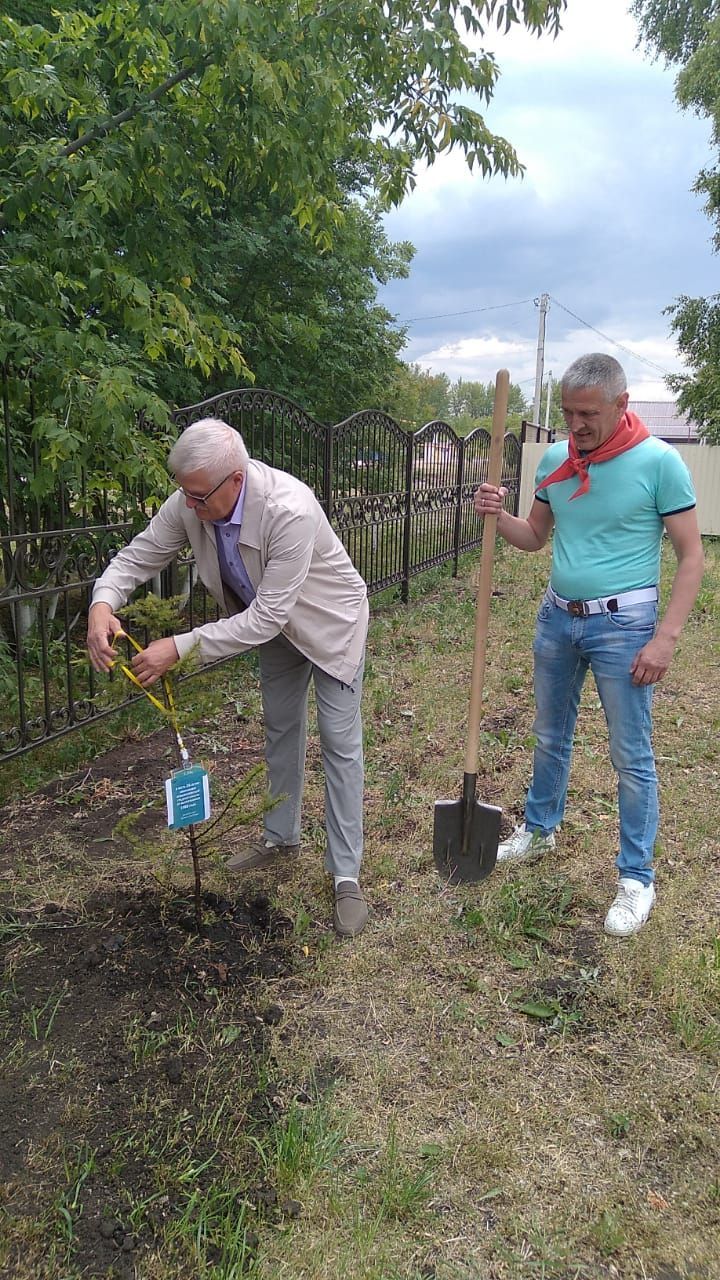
(348, 933)
(625, 933)
(535, 856)
(532, 854)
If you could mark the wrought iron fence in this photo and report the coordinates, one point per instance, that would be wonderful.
(400, 501)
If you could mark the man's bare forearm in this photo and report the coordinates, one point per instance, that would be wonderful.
(527, 535)
(519, 533)
(683, 595)
(684, 534)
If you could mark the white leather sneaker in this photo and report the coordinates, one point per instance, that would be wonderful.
(524, 845)
(631, 907)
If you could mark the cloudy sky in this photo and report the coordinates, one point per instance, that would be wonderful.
(604, 221)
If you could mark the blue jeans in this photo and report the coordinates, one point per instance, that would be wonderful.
(565, 648)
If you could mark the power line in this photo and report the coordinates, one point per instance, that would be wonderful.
(474, 311)
(643, 359)
(503, 306)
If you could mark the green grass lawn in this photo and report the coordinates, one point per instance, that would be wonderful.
(483, 1086)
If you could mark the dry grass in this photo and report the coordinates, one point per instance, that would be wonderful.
(513, 1095)
(580, 1143)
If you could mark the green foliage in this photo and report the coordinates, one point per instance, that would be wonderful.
(687, 33)
(555, 416)
(476, 399)
(179, 187)
(303, 1145)
(618, 1124)
(522, 912)
(149, 618)
(696, 322)
(308, 319)
(416, 397)
(158, 616)
(674, 28)
(608, 1232)
(404, 1189)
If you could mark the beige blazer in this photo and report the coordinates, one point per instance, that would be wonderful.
(307, 587)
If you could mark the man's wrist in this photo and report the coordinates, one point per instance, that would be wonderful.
(668, 633)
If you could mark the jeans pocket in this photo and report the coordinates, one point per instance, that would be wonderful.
(635, 617)
(546, 607)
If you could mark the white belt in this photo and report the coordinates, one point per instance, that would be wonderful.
(604, 604)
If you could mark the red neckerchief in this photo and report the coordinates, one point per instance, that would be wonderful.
(628, 432)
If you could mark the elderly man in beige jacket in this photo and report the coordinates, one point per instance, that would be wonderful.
(265, 551)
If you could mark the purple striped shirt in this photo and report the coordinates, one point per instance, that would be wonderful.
(232, 570)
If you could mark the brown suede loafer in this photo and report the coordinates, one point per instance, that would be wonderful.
(258, 853)
(351, 913)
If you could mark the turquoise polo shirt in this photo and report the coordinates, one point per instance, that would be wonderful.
(608, 540)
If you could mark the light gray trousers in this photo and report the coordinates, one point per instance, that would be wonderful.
(284, 683)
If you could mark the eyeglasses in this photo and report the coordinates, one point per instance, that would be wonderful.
(195, 497)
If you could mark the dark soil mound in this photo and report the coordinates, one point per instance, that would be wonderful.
(131, 1042)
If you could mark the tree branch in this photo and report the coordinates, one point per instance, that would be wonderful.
(121, 117)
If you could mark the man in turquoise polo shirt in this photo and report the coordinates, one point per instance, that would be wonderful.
(606, 494)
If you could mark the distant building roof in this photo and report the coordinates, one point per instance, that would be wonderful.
(664, 419)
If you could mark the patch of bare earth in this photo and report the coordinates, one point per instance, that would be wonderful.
(118, 1016)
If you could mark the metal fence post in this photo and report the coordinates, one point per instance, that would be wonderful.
(517, 475)
(407, 535)
(328, 479)
(458, 508)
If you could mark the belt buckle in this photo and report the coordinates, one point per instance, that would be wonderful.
(577, 608)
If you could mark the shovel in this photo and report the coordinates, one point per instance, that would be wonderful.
(466, 833)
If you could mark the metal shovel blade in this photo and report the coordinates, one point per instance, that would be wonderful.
(466, 836)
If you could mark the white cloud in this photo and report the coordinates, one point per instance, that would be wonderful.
(601, 29)
(479, 357)
(462, 359)
(605, 219)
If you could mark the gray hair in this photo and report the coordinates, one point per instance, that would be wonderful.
(596, 370)
(209, 445)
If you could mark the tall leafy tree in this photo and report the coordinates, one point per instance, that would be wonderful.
(308, 319)
(475, 399)
(687, 34)
(414, 396)
(140, 142)
(675, 28)
(417, 396)
(697, 324)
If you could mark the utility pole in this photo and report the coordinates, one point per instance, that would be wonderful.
(548, 393)
(543, 302)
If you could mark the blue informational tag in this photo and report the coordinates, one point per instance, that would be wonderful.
(187, 793)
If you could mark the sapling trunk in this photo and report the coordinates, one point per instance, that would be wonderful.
(196, 871)
(192, 840)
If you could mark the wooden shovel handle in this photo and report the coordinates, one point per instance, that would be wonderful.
(484, 591)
